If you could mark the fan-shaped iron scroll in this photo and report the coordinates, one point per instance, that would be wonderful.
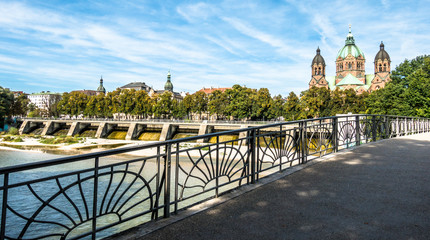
(277, 148)
(202, 170)
(347, 133)
(65, 211)
(320, 141)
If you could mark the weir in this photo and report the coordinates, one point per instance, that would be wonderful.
(141, 130)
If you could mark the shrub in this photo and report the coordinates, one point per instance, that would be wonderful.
(18, 139)
(7, 138)
(13, 131)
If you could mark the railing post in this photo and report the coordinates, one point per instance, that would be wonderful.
(157, 188)
(217, 167)
(374, 128)
(167, 165)
(4, 205)
(177, 177)
(357, 131)
(96, 176)
(281, 146)
(303, 136)
(334, 134)
(387, 127)
(252, 163)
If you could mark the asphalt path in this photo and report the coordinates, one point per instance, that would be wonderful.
(375, 191)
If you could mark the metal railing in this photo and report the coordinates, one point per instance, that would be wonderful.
(96, 195)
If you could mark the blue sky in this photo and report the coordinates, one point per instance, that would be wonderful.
(66, 45)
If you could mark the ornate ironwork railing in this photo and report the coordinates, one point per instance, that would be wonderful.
(96, 195)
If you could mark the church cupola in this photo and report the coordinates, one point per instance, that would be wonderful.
(382, 60)
(350, 60)
(318, 64)
(101, 89)
(168, 86)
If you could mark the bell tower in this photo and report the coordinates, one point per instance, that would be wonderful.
(382, 69)
(318, 71)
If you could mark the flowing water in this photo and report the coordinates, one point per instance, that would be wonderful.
(48, 188)
(150, 136)
(61, 132)
(118, 135)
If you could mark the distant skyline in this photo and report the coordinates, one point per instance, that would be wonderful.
(61, 46)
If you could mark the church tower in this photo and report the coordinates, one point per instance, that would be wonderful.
(101, 89)
(382, 69)
(168, 86)
(350, 60)
(318, 71)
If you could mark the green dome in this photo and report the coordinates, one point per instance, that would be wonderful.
(101, 88)
(350, 48)
(168, 86)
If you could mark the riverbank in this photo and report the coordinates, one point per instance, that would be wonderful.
(85, 145)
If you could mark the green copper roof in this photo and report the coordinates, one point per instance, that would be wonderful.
(369, 78)
(350, 48)
(168, 86)
(350, 80)
(331, 82)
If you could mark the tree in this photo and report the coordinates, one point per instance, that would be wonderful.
(188, 104)
(262, 102)
(20, 105)
(292, 107)
(406, 94)
(200, 103)
(277, 110)
(6, 101)
(163, 106)
(315, 103)
(240, 101)
(217, 103)
(143, 104)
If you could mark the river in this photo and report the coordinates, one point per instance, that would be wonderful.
(77, 219)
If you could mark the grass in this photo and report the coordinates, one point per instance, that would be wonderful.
(9, 138)
(61, 139)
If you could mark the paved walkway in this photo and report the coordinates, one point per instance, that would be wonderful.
(376, 191)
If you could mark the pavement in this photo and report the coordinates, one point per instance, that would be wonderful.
(375, 191)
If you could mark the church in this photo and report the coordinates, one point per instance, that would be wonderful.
(350, 69)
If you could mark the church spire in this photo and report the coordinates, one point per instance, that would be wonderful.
(168, 86)
(101, 88)
(349, 38)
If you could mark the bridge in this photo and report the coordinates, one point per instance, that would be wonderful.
(96, 196)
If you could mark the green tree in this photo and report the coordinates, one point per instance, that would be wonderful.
(406, 94)
(20, 105)
(261, 104)
(200, 103)
(6, 101)
(292, 107)
(240, 101)
(277, 110)
(143, 106)
(188, 104)
(315, 103)
(217, 102)
(163, 106)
